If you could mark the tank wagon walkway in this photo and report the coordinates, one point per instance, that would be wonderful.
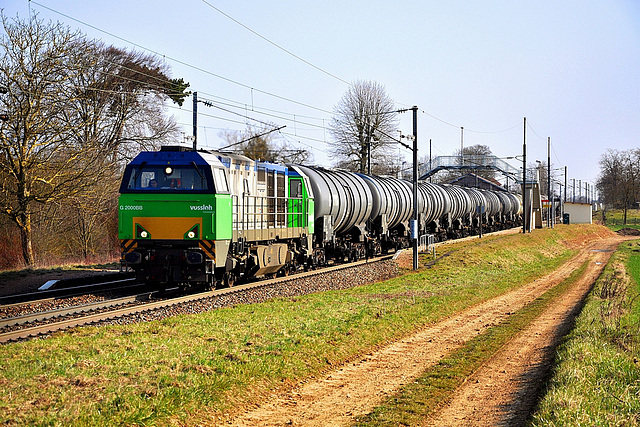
(356, 388)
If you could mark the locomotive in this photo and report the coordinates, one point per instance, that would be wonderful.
(211, 218)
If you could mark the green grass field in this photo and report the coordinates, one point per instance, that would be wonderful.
(596, 380)
(195, 369)
(615, 218)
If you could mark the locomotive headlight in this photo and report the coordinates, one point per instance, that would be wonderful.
(133, 258)
(168, 170)
(144, 234)
(194, 258)
(191, 234)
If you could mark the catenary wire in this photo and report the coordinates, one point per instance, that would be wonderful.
(275, 44)
(242, 84)
(194, 67)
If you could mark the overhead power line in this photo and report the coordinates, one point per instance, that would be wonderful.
(209, 103)
(178, 61)
(252, 137)
(274, 43)
(467, 129)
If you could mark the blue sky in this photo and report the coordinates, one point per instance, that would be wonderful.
(570, 67)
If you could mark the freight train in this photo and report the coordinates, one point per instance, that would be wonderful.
(212, 218)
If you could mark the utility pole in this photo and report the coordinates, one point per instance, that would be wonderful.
(414, 232)
(415, 186)
(525, 210)
(195, 120)
(369, 157)
(461, 147)
(549, 221)
(430, 166)
(565, 184)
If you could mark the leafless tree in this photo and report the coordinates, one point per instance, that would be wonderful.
(619, 179)
(365, 118)
(474, 155)
(259, 143)
(70, 105)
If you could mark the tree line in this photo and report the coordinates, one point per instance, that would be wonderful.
(74, 110)
(619, 179)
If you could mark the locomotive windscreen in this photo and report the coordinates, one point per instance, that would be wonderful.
(162, 178)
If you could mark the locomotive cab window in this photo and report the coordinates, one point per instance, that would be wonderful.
(167, 178)
(220, 179)
(295, 188)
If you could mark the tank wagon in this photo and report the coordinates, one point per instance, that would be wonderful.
(212, 218)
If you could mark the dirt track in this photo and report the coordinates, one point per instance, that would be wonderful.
(502, 392)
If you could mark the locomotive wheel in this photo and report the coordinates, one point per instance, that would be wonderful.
(284, 271)
(229, 280)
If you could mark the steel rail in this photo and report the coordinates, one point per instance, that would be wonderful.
(68, 311)
(49, 295)
(126, 311)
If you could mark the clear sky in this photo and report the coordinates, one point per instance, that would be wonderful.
(572, 68)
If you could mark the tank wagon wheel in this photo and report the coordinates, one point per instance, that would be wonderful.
(377, 248)
(362, 252)
(318, 258)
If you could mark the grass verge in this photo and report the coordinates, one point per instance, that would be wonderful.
(197, 369)
(418, 399)
(596, 378)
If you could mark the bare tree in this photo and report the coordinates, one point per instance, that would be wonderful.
(364, 119)
(619, 180)
(67, 115)
(260, 143)
(475, 155)
(118, 98)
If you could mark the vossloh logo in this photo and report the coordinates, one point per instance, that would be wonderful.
(201, 208)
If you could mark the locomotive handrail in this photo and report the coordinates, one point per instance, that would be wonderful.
(263, 212)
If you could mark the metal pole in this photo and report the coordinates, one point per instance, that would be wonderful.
(565, 186)
(549, 181)
(553, 212)
(369, 157)
(195, 120)
(461, 150)
(561, 202)
(586, 192)
(524, 178)
(415, 186)
(430, 166)
(579, 191)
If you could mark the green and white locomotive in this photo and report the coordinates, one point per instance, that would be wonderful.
(202, 217)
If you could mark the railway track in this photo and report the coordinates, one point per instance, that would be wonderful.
(72, 287)
(110, 310)
(66, 311)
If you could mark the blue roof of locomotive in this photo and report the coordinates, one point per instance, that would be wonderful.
(182, 156)
(173, 157)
